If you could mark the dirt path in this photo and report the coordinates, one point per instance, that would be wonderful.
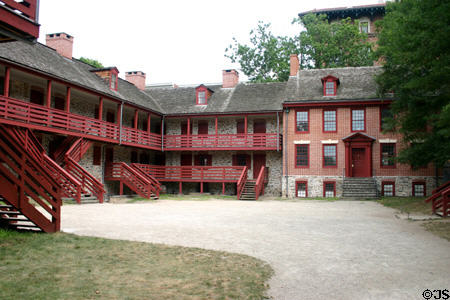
(318, 249)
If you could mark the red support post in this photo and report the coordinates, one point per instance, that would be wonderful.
(100, 108)
(217, 132)
(180, 187)
(149, 118)
(119, 108)
(136, 115)
(201, 187)
(223, 188)
(49, 93)
(245, 125)
(6, 84)
(68, 93)
(121, 188)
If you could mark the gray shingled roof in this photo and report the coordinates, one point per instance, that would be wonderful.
(245, 97)
(44, 59)
(355, 84)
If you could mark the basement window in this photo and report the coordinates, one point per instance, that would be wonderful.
(301, 189)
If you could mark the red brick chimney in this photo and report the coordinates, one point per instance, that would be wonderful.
(61, 42)
(295, 65)
(137, 78)
(230, 78)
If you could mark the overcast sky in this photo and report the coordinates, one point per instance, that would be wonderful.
(181, 42)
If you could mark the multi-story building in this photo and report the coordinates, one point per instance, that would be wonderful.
(71, 130)
(367, 15)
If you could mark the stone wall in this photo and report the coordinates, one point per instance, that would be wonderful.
(403, 184)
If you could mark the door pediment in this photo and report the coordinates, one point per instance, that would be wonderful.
(358, 137)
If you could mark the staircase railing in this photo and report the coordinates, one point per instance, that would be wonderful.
(60, 153)
(70, 187)
(440, 199)
(156, 184)
(25, 183)
(89, 183)
(241, 182)
(78, 149)
(133, 179)
(259, 185)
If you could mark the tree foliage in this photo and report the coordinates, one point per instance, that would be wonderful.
(414, 43)
(321, 45)
(93, 62)
(267, 58)
(333, 45)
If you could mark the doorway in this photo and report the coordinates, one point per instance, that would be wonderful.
(359, 166)
(259, 160)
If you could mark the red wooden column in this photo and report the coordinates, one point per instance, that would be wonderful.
(68, 93)
(149, 118)
(180, 187)
(100, 108)
(217, 132)
(223, 188)
(6, 84)
(136, 115)
(49, 93)
(119, 113)
(246, 128)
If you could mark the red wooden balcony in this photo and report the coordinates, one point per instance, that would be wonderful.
(254, 141)
(34, 116)
(19, 19)
(193, 173)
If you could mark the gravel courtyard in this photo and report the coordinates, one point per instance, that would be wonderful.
(318, 249)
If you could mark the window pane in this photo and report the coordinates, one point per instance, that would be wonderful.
(329, 88)
(302, 156)
(358, 119)
(301, 189)
(329, 155)
(329, 117)
(387, 154)
(419, 190)
(302, 121)
(201, 98)
(388, 190)
(329, 190)
(364, 27)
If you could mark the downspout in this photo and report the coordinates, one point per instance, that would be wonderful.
(162, 134)
(36, 19)
(120, 123)
(285, 152)
(278, 132)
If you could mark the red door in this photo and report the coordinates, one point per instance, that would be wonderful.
(259, 160)
(109, 158)
(259, 126)
(37, 97)
(359, 166)
(186, 160)
(203, 127)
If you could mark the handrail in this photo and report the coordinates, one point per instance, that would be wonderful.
(259, 185)
(440, 199)
(149, 177)
(222, 141)
(88, 182)
(78, 149)
(71, 187)
(441, 187)
(131, 177)
(241, 182)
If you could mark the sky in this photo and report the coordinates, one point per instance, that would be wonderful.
(181, 42)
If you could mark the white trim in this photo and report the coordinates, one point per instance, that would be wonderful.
(388, 141)
(301, 142)
(329, 142)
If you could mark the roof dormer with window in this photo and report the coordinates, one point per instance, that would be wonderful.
(202, 94)
(330, 85)
(110, 75)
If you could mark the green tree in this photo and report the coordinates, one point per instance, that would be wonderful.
(414, 44)
(322, 45)
(93, 62)
(333, 45)
(267, 58)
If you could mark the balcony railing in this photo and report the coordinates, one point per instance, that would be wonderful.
(193, 173)
(21, 16)
(253, 141)
(22, 113)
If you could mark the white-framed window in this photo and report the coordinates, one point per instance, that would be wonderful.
(364, 25)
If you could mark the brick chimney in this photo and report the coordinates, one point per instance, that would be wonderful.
(230, 78)
(61, 42)
(137, 78)
(295, 65)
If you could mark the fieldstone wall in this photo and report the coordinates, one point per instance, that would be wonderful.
(315, 185)
(403, 184)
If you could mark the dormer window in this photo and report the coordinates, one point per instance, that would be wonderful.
(202, 94)
(113, 84)
(330, 84)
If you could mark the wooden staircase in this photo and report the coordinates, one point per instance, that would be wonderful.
(360, 188)
(440, 200)
(30, 194)
(248, 192)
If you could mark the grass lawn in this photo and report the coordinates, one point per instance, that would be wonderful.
(410, 205)
(65, 266)
(417, 205)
